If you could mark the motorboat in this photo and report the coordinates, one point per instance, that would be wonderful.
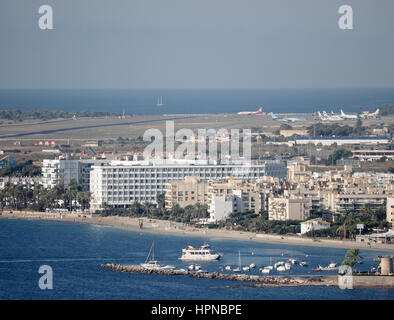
(265, 270)
(246, 268)
(281, 268)
(303, 264)
(278, 264)
(252, 266)
(331, 266)
(287, 266)
(203, 253)
(228, 268)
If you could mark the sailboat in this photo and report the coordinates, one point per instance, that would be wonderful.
(160, 102)
(238, 269)
(154, 264)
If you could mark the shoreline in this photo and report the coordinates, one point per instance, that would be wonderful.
(181, 229)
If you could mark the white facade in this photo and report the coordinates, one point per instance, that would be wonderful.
(314, 224)
(390, 211)
(122, 182)
(62, 170)
(221, 207)
(342, 140)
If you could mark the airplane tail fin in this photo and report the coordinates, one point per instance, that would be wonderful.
(342, 113)
(260, 110)
(273, 116)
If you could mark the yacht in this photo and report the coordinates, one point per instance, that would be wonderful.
(204, 253)
(265, 270)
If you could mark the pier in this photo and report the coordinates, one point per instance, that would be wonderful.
(269, 281)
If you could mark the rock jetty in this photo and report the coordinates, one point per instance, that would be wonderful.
(261, 281)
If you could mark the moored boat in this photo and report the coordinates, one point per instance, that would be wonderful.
(204, 253)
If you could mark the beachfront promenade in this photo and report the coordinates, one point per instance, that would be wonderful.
(180, 229)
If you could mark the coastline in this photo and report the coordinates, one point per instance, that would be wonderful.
(181, 229)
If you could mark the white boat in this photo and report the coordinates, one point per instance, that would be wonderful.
(228, 268)
(238, 269)
(191, 267)
(269, 267)
(287, 266)
(160, 102)
(265, 270)
(252, 266)
(204, 253)
(303, 264)
(246, 268)
(331, 266)
(281, 268)
(197, 267)
(154, 264)
(279, 264)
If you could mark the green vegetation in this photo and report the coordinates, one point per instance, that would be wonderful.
(16, 197)
(21, 169)
(189, 214)
(352, 258)
(20, 115)
(329, 130)
(252, 222)
(338, 154)
(346, 226)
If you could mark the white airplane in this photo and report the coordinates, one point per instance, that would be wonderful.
(246, 113)
(326, 117)
(274, 117)
(370, 115)
(348, 116)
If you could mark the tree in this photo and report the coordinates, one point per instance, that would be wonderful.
(352, 257)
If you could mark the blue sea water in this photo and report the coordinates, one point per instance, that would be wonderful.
(192, 101)
(75, 252)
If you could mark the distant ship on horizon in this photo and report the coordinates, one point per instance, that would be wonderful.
(160, 102)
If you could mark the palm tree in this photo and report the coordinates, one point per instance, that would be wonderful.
(352, 257)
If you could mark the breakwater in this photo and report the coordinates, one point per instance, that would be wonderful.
(272, 281)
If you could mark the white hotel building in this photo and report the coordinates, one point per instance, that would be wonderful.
(120, 183)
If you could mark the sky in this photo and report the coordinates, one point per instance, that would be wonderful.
(196, 44)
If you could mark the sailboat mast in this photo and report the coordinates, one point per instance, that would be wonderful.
(153, 251)
(239, 258)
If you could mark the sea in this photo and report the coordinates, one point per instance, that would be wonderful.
(197, 101)
(75, 251)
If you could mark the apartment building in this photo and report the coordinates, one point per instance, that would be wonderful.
(64, 170)
(191, 191)
(220, 207)
(390, 211)
(28, 182)
(284, 209)
(120, 183)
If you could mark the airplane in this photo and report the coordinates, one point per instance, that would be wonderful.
(326, 117)
(274, 117)
(247, 113)
(348, 116)
(370, 115)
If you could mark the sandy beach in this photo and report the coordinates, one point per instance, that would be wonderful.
(180, 229)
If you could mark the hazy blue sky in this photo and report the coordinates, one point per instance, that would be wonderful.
(196, 44)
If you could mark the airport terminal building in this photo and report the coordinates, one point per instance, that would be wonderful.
(120, 183)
